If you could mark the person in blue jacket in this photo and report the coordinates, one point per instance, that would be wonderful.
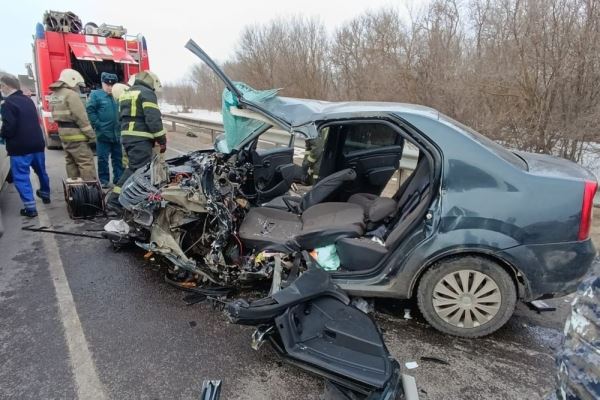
(103, 113)
(24, 143)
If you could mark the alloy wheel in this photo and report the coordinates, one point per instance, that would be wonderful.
(466, 298)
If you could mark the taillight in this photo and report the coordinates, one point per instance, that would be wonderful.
(589, 191)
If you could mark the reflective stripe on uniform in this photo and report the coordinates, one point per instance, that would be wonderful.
(69, 131)
(138, 133)
(73, 138)
(129, 95)
(160, 133)
(130, 126)
(87, 128)
(133, 110)
(61, 112)
(132, 96)
(117, 189)
(149, 104)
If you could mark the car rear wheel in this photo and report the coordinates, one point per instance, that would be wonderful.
(467, 296)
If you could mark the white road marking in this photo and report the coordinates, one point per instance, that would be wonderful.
(82, 363)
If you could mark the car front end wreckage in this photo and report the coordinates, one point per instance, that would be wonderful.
(187, 214)
(187, 211)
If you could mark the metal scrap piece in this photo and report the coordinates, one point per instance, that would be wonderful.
(211, 390)
(258, 336)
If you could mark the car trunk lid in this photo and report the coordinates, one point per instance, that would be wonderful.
(546, 165)
(555, 167)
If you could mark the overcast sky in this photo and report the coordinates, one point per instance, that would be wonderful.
(167, 25)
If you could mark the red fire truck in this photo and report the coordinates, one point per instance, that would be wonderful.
(61, 42)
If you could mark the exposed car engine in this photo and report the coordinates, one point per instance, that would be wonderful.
(187, 211)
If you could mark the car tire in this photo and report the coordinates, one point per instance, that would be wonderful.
(487, 303)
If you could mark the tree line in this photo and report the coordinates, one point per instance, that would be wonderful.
(523, 72)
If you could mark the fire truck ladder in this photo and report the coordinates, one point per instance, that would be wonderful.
(135, 38)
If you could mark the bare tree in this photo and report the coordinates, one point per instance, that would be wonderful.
(208, 87)
(537, 69)
(291, 54)
(181, 94)
(368, 57)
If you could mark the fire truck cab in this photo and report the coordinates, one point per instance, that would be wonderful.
(62, 43)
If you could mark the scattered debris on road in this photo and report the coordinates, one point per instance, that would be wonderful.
(540, 306)
(435, 360)
(411, 365)
(211, 390)
(56, 232)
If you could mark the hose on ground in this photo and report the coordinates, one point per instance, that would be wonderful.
(85, 201)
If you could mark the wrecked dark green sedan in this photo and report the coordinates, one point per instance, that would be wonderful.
(473, 229)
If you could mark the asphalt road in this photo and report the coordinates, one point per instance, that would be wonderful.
(79, 320)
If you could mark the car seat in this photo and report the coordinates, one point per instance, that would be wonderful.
(319, 225)
(360, 253)
(319, 193)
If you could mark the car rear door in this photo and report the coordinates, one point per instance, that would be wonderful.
(371, 148)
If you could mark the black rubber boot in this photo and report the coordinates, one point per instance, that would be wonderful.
(45, 200)
(28, 213)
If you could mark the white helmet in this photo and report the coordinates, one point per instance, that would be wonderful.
(71, 77)
(150, 79)
(118, 89)
(157, 85)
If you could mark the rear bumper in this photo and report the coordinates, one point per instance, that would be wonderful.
(551, 270)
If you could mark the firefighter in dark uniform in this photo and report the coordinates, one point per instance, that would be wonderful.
(313, 156)
(141, 127)
(74, 128)
(117, 91)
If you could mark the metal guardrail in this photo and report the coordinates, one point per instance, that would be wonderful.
(277, 137)
(212, 126)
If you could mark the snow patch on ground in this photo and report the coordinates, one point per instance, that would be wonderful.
(213, 116)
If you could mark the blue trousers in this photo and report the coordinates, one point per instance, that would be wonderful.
(20, 168)
(104, 151)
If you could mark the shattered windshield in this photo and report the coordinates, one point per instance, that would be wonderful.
(237, 128)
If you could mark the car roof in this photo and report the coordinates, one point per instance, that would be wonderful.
(302, 111)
